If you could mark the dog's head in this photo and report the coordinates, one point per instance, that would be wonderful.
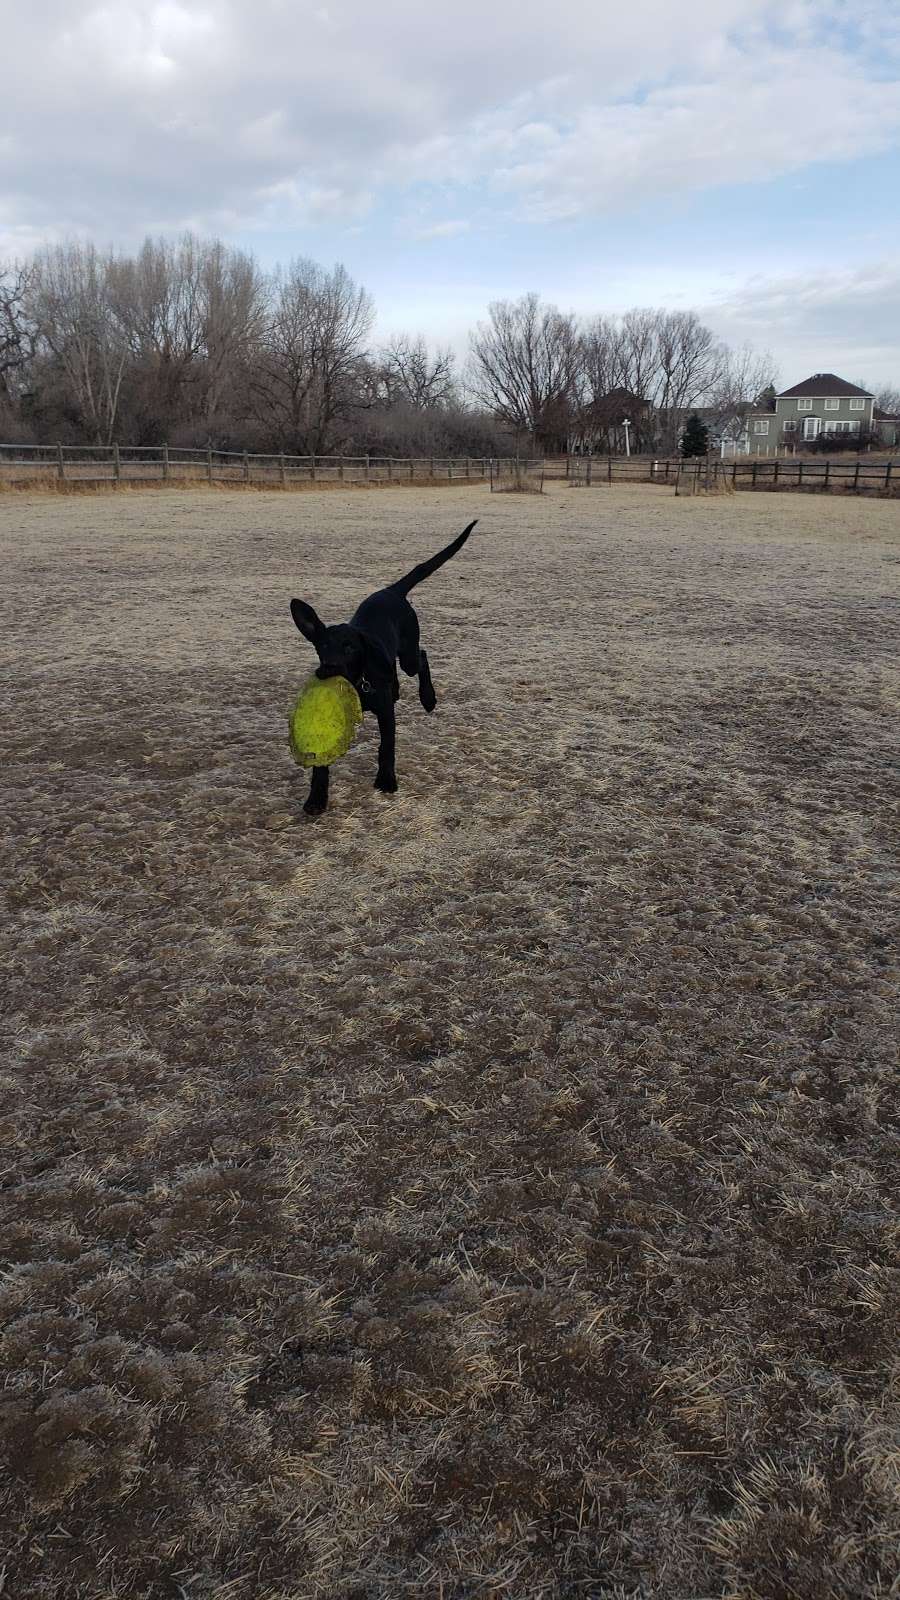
(341, 649)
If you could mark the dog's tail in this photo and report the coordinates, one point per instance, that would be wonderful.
(426, 568)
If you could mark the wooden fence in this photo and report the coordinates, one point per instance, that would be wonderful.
(115, 464)
(855, 476)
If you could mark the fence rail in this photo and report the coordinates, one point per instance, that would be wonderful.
(702, 473)
(88, 464)
(115, 464)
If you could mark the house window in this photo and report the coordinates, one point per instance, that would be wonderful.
(804, 405)
(832, 405)
(857, 405)
(760, 427)
(790, 425)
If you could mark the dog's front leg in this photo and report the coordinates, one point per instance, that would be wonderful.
(386, 776)
(318, 792)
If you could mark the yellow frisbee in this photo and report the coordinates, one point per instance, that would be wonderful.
(324, 721)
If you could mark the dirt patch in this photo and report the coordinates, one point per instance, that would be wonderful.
(485, 1191)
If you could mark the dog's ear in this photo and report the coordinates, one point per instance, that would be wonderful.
(307, 621)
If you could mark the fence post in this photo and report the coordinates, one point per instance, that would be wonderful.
(60, 468)
(209, 463)
(856, 476)
(246, 467)
(341, 466)
(431, 466)
(887, 475)
(734, 472)
(390, 469)
(312, 468)
(165, 463)
(412, 468)
(281, 473)
(117, 465)
(799, 474)
(367, 467)
(449, 469)
(775, 473)
(468, 467)
(609, 469)
(753, 481)
(589, 466)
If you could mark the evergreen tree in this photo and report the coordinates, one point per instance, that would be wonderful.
(695, 439)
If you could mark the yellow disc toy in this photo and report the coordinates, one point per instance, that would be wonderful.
(324, 721)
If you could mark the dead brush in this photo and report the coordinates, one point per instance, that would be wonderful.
(517, 478)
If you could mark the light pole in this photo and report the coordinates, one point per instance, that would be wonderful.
(627, 426)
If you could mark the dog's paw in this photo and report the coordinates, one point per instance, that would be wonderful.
(314, 808)
(428, 698)
(386, 782)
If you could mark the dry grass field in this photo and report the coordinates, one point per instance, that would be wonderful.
(487, 1191)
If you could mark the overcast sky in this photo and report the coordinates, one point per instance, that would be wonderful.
(737, 156)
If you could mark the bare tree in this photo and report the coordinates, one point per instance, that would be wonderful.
(409, 375)
(639, 353)
(303, 379)
(690, 363)
(191, 312)
(232, 310)
(619, 373)
(79, 331)
(158, 297)
(18, 330)
(658, 365)
(886, 399)
(526, 366)
(745, 377)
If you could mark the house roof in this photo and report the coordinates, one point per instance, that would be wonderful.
(885, 416)
(622, 397)
(823, 386)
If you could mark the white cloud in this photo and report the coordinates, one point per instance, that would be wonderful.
(845, 322)
(443, 230)
(131, 115)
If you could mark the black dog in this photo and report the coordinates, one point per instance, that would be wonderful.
(383, 631)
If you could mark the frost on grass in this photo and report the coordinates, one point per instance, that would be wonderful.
(487, 1191)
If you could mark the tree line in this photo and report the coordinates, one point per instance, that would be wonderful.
(190, 341)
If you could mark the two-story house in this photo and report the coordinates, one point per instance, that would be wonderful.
(820, 406)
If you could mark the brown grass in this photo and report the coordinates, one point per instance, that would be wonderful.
(489, 1191)
(34, 484)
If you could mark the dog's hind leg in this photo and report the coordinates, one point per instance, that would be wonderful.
(414, 661)
(426, 687)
